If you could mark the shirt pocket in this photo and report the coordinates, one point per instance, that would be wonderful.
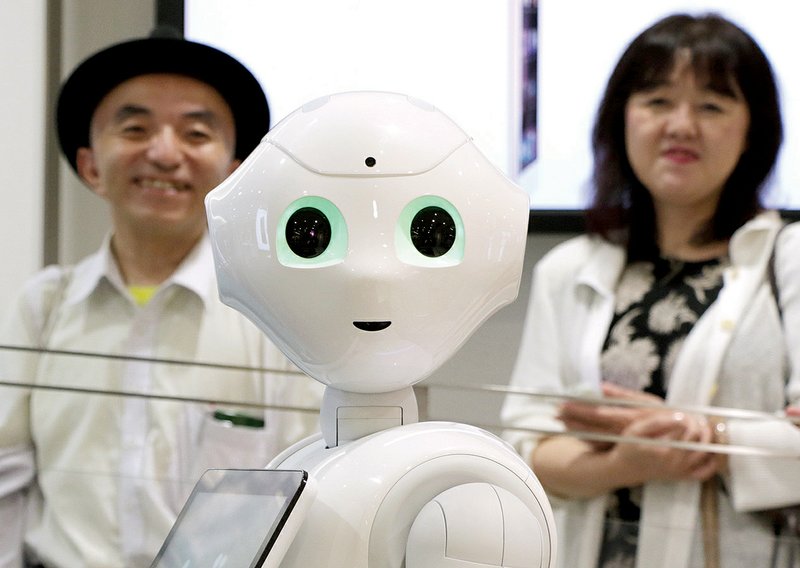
(222, 444)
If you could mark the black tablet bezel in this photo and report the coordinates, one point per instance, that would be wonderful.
(257, 482)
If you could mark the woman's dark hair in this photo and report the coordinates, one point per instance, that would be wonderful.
(729, 59)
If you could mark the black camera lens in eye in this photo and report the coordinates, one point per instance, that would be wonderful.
(433, 231)
(308, 232)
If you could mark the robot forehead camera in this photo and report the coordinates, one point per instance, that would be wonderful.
(368, 238)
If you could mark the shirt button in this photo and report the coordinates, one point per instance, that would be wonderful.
(727, 325)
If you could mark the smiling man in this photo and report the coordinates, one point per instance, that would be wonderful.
(159, 143)
(151, 126)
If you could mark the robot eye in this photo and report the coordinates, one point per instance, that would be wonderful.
(311, 233)
(433, 231)
(308, 232)
(430, 233)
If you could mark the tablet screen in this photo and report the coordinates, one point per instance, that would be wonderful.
(231, 519)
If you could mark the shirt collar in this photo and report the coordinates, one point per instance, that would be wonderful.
(195, 273)
(749, 245)
(602, 269)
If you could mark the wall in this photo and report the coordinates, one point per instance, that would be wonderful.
(88, 25)
(55, 218)
(22, 111)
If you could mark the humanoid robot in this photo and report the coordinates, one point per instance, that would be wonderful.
(368, 238)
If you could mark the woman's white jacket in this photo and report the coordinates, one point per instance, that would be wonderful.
(736, 356)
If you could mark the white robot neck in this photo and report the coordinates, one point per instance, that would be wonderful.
(347, 416)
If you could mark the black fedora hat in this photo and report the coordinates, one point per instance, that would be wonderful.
(97, 75)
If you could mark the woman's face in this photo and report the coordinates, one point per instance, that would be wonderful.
(683, 140)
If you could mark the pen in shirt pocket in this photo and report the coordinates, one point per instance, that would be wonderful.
(234, 418)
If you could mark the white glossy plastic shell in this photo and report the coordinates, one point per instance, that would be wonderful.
(308, 308)
(371, 490)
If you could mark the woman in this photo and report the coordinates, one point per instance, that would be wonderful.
(668, 297)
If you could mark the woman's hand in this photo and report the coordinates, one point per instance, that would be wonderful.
(608, 419)
(574, 468)
(639, 463)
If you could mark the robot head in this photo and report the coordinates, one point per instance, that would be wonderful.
(368, 238)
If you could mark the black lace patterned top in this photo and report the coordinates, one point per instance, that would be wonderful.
(657, 304)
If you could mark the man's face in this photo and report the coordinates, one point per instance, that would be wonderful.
(159, 144)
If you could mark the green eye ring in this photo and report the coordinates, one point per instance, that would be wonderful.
(311, 233)
(430, 233)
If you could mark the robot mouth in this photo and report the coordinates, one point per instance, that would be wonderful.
(372, 325)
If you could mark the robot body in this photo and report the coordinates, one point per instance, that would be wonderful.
(368, 238)
(364, 521)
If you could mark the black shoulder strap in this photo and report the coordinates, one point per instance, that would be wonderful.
(773, 280)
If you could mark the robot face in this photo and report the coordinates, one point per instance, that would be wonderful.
(368, 238)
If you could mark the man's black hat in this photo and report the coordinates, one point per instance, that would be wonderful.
(96, 76)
